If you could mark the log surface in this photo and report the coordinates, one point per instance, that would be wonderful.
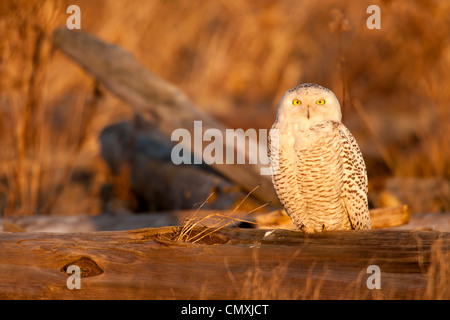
(229, 263)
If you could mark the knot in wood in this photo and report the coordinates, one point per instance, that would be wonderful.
(88, 267)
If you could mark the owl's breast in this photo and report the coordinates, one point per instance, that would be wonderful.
(296, 137)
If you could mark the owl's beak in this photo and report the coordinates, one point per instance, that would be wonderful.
(307, 112)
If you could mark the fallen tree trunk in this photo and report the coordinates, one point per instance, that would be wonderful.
(381, 218)
(160, 102)
(230, 263)
(139, 157)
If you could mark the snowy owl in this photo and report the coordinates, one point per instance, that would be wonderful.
(318, 170)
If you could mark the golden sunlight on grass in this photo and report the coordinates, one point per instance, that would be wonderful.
(232, 58)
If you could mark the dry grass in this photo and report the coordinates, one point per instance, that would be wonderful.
(44, 128)
(233, 58)
(260, 284)
(438, 286)
(216, 221)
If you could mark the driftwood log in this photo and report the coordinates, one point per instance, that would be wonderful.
(158, 101)
(229, 263)
(278, 219)
(381, 218)
(139, 157)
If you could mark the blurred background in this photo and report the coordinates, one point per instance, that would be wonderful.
(235, 60)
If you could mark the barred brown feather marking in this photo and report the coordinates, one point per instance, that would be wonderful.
(355, 190)
(321, 179)
(322, 187)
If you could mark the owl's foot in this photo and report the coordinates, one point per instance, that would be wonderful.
(307, 229)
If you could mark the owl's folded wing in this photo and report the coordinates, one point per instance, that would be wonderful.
(355, 186)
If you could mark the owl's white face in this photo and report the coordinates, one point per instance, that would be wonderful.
(309, 104)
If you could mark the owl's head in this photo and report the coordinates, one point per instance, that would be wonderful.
(309, 104)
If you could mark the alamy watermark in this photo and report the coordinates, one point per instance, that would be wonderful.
(374, 21)
(74, 20)
(213, 146)
(374, 280)
(74, 280)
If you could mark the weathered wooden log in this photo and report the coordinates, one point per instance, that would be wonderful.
(139, 157)
(390, 217)
(157, 100)
(118, 222)
(380, 217)
(278, 219)
(230, 263)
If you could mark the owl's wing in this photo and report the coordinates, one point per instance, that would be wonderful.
(355, 186)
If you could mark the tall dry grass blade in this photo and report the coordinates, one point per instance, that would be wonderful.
(188, 224)
(222, 222)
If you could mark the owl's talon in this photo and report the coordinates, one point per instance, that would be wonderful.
(306, 229)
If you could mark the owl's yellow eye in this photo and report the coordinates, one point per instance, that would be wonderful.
(321, 101)
(296, 102)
